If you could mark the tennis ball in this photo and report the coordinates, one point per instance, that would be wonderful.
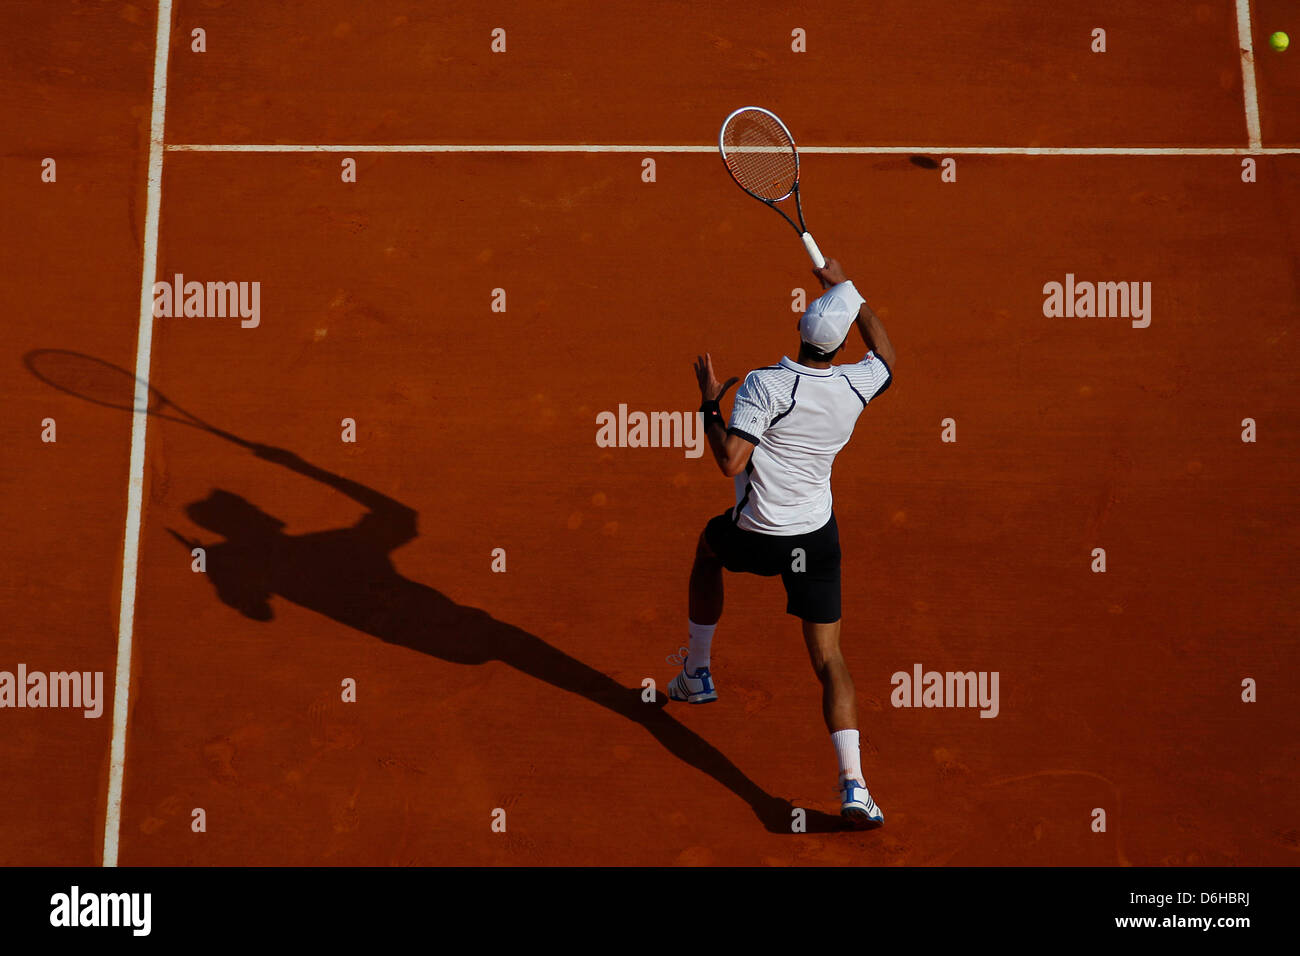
(1279, 41)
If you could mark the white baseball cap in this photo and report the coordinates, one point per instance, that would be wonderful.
(827, 321)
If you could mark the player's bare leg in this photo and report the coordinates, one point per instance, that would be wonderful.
(840, 711)
(695, 684)
(706, 585)
(839, 700)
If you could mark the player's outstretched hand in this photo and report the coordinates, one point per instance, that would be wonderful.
(830, 274)
(710, 388)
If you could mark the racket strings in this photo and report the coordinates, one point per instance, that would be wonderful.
(760, 155)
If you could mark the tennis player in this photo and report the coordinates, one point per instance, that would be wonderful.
(787, 425)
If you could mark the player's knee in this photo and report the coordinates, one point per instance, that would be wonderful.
(833, 673)
(827, 662)
(703, 553)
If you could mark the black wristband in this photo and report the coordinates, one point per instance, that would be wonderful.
(712, 413)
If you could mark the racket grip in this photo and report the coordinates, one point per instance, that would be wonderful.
(813, 252)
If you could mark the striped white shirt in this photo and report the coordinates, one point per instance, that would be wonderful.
(799, 418)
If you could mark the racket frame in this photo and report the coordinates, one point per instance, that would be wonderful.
(801, 228)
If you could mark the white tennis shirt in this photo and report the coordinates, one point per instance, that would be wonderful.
(799, 418)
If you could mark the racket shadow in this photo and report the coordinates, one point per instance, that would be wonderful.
(347, 574)
(102, 383)
(92, 379)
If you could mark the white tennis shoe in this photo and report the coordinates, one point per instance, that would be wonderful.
(856, 804)
(691, 687)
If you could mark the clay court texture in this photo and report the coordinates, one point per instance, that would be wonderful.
(397, 640)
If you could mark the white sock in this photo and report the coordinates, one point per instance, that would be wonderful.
(701, 641)
(850, 754)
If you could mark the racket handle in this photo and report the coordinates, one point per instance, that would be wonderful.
(813, 252)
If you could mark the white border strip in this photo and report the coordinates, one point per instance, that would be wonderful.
(1255, 150)
(139, 423)
(1247, 48)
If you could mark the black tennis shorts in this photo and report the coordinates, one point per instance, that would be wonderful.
(811, 578)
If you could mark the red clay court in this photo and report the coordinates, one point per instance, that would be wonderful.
(485, 178)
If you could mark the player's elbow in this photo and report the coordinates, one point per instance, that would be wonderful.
(733, 465)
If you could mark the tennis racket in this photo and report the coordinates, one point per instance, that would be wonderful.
(759, 152)
(104, 383)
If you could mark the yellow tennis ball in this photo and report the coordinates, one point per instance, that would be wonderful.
(1279, 41)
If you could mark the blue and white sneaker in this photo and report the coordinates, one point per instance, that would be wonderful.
(691, 687)
(856, 804)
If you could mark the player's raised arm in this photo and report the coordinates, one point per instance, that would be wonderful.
(873, 334)
(869, 325)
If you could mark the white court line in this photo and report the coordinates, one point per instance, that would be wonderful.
(139, 422)
(1247, 48)
(1255, 150)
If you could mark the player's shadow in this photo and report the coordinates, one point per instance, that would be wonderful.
(346, 574)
